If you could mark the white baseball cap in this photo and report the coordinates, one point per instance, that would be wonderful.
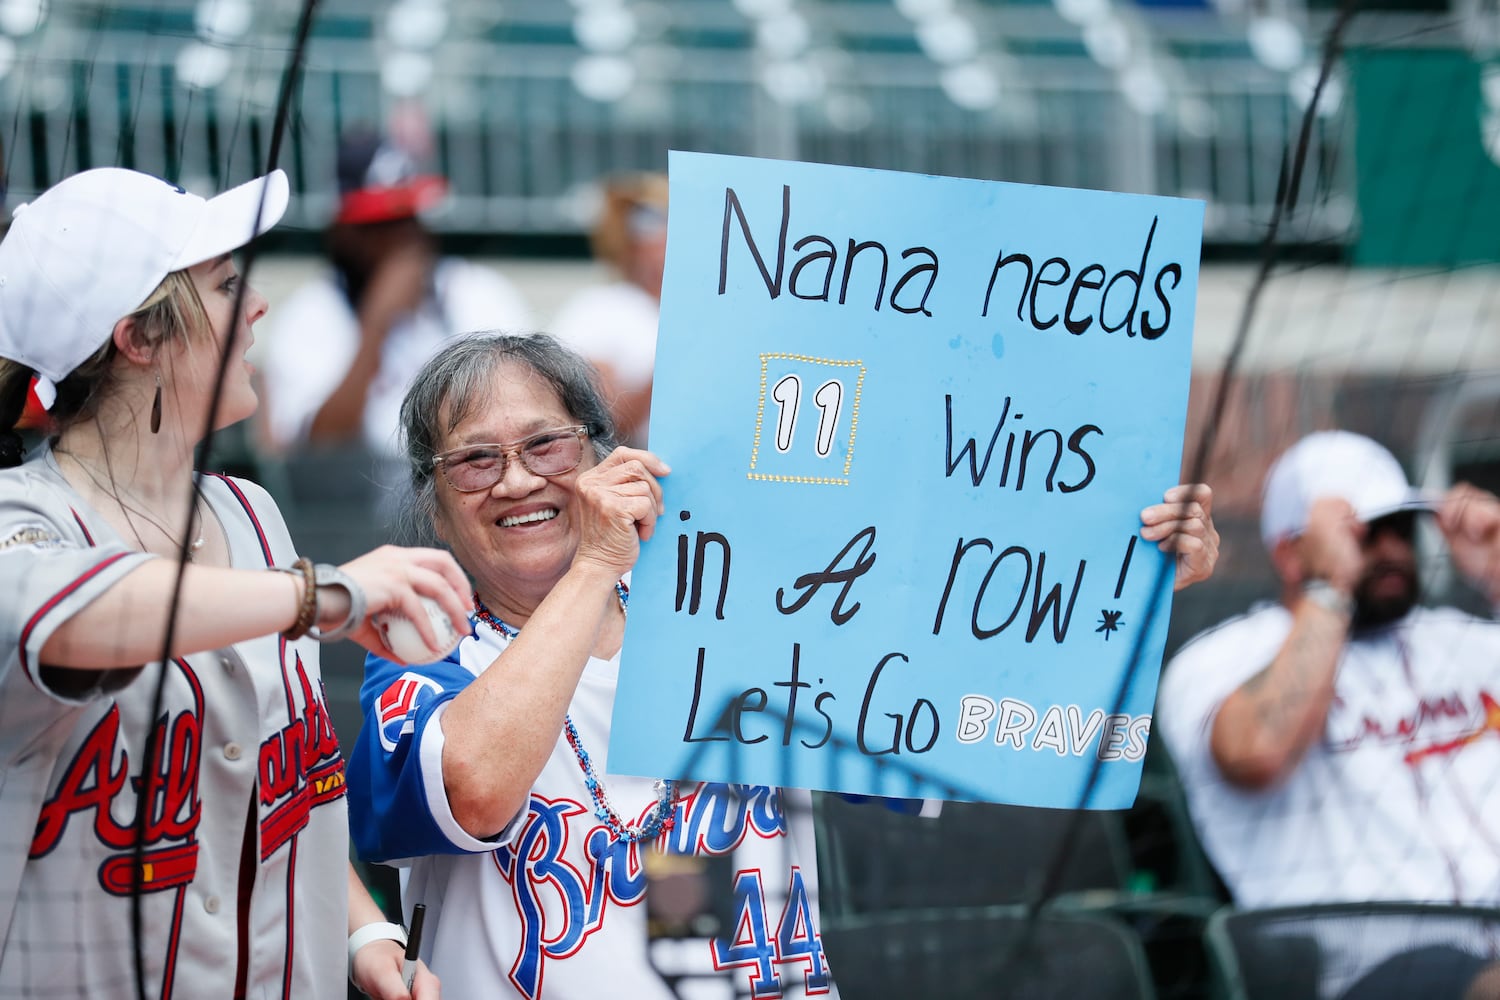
(1333, 464)
(90, 249)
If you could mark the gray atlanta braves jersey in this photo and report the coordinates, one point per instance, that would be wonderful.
(243, 732)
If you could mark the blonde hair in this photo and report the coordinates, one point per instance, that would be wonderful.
(173, 311)
(611, 238)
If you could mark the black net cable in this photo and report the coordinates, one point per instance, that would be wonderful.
(1270, 251)
(205, 450)
(127, 133)
(96, 39)
(1258, 310)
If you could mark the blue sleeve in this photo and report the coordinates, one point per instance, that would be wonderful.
(389, 816)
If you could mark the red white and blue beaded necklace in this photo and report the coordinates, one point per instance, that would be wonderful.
(662, 816)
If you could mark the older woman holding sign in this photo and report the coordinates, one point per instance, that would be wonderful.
(178, 827)
(487, 769)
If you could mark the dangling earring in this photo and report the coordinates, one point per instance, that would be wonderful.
(156, 407)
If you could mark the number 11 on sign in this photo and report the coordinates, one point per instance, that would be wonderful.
(829, 400)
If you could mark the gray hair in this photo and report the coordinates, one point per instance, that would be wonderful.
(456, 381)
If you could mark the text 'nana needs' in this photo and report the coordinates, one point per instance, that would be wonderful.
(1046, 290)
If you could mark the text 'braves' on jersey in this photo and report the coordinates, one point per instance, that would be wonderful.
(551, 908)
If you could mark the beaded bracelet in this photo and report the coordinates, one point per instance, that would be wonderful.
(307, 608)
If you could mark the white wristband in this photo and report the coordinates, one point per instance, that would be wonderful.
(378, 931)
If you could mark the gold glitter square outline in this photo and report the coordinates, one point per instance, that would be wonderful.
(760, 413)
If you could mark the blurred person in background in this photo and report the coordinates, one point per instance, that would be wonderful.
(1343, 745)
(614, 325)
(120, 297)
(345, 345)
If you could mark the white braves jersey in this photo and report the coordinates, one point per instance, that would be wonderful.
(1399, 799)
(316, 335)
(243, 728)
(554, 907)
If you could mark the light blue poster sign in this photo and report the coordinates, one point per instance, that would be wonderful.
(912, 421)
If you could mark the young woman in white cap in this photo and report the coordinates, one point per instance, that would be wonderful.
(118, 295)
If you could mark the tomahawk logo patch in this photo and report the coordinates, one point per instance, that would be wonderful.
(396, 711)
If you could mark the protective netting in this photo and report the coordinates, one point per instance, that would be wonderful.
(1347, 161)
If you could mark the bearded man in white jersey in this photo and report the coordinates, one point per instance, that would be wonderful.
(1342, 745)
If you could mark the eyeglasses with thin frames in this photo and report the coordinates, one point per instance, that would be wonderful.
(548, 453)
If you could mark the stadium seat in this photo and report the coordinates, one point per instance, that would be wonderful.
(1164, 846)
(1353, 951)
(988, 952)
(873, 860)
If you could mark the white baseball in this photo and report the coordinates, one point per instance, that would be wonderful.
(402, 638)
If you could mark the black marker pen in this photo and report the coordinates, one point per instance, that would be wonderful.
(413, 945)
